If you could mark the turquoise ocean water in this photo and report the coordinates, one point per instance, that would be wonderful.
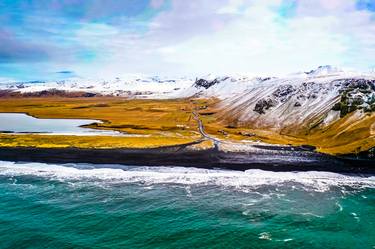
(79, 206)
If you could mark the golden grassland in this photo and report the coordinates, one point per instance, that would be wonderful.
(171, 122)
(348, 135)
(102, 142)
(160, 122)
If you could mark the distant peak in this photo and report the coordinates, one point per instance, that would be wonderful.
(325, 70)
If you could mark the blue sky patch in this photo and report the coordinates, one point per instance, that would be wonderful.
(366, 5)
(287, 8)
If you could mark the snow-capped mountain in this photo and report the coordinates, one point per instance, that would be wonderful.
(319, 96)
(288, 100)
(326, 105)
(209, 86)
(131, 86)
(326, 70)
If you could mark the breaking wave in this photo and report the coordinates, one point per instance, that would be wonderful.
(319, 181)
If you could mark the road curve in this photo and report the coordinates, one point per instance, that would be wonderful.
(203, 132)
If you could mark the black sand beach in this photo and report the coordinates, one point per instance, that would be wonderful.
(272, 158)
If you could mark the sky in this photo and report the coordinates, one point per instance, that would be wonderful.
(58, 39)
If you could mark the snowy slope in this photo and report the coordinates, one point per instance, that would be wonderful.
(296, 100)
(132, 86)
(308, 91)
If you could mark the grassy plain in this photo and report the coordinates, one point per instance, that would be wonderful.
(159, 122)
(170, 122)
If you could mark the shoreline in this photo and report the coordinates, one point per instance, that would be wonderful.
(273, 159)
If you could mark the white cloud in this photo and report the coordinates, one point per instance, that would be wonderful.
(239, 36)
(156, 4)
(233, 7)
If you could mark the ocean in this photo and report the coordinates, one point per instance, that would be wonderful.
(113, 206)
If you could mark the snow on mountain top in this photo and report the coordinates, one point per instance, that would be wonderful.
(4, 81)
(134, 85)
(330, 71)
(142, 86)
(325, 70)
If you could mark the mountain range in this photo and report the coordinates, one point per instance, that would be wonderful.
(326, 105)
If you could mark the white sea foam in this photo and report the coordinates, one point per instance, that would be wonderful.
(319, 181)
(265, 236)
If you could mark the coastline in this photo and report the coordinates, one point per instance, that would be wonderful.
(270, 158)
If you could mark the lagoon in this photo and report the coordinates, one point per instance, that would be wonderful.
(23, 123)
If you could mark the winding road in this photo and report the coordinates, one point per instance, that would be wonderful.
(203, 132)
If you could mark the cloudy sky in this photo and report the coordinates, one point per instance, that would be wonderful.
(55, 39)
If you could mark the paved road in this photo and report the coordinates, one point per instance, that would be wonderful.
(203, 132)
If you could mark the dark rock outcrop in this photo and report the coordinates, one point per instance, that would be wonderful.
(264, 104)
(356, 94)
(284, 92)
(206, 83)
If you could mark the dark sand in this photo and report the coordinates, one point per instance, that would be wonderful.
(268, 158)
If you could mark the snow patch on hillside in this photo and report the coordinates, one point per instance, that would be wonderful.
(138, 87)
(235, 89)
